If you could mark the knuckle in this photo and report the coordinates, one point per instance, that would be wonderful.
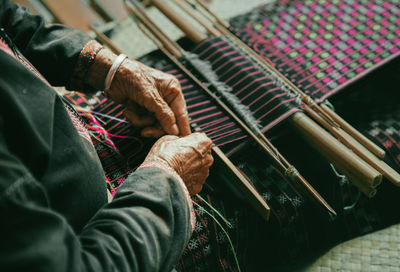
(174, 80)
(165, 116)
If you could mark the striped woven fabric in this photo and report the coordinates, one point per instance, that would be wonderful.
(119, 143)
(268, 100)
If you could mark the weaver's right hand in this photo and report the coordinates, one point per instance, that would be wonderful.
(190, 157)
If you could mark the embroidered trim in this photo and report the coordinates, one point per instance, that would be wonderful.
(85, 60)
(165, 167)
(79, 124)
(6, 47)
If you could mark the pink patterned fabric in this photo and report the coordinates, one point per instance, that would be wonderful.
(323, 46)
(4, 46)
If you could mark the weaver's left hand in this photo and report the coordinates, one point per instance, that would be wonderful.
(153, 98)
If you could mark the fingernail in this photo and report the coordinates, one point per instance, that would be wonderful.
(175, 129)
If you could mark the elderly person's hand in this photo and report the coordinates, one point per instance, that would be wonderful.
(190, 157)
(153, 99)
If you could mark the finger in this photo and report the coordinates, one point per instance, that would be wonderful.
(199, 141)
(139, 120)
(157, 105)
(178, 106)
(193, 190)
(196, 186)
(208, 160)
(133, 106)
(152, 132)
(167, 138)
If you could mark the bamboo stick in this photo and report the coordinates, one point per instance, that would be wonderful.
(335, 151)
(219, 20)
(207, 25)
(105, 40)
(250, 193)
(366, 190)
(188, 28)
(165, 40)
(355, 133)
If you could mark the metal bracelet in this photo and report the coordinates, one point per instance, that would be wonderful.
(113, 70)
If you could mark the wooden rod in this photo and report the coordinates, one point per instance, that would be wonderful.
(378, 164)
(251, 194)
(105, 40)
(141, 15)
(335, 151)
(366, 190)
(355, 133)
(188, 28)
(335, 131)
(206, 24)
(361, 151)
(206, 8)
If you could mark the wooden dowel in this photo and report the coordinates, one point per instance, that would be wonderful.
(361, 151)
(336, 132)
(219, 20)
(335, 151)
(110, 10)
(366, 190)
(387, 171)
(187, 27)
(141, 15)
(355, 133)
(250, 193)
(72, 13)
(106, 41)
(206, 24)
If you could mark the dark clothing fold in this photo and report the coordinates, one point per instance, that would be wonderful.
(53, 199)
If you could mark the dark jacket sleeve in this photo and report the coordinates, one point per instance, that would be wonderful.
(53, 49)
(145, 227)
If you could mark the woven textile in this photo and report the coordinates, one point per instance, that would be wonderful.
(296, 229)
(323, 46)
(268, 100)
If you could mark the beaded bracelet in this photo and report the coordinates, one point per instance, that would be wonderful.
(113, 70)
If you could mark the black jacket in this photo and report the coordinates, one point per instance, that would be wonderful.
(53, 201)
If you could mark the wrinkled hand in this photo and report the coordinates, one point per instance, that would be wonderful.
(153, 98)
(189, 156)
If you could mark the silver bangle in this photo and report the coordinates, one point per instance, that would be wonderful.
(113, 70)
